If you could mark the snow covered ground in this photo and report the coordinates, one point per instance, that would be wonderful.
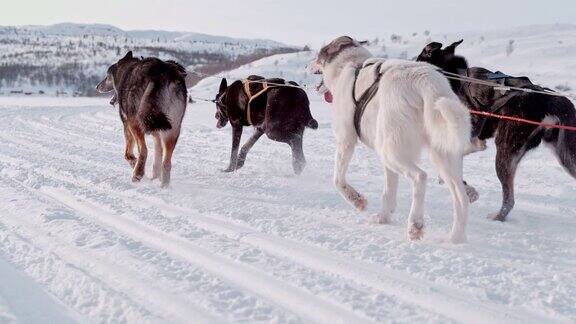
(261, 244)
(80, 243)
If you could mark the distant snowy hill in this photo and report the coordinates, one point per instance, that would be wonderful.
(545, 53)
(73, 57)
(81, 243)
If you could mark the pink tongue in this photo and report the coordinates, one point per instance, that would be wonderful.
(328, 96)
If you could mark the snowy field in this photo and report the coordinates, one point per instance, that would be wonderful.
(79, 242)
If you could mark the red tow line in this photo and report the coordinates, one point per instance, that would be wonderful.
(522, 120)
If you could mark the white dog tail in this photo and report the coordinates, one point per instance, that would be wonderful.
(447, 123)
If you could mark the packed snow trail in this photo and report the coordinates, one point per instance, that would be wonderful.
(28, 301)
(260, 244)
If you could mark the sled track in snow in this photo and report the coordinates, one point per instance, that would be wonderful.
(279, 258)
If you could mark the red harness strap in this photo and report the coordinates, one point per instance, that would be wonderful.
(522, 120)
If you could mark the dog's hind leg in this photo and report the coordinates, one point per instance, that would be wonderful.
(298, 159)
(344, 153)
(563, 145)
(511, 145)
(157, 166)
(236, 136)
(129, 149)
(450, 168)
(418, 178)
(140, 166)
(388, 198)
(246, 147)
(169, 140)
(506, 165)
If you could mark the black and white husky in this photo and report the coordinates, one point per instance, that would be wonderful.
(152, 96)
(513, 140)
(413, 107)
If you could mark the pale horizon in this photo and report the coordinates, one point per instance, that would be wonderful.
(294, 22)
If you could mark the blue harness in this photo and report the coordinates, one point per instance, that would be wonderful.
(497, 76)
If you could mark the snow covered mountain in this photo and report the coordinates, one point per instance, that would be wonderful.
(73, 57)
(545, 53)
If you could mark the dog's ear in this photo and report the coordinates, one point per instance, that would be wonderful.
(450, 49)
(331, 50)
(429, 50)
(223, 85)
(128, 56)
(448, 53)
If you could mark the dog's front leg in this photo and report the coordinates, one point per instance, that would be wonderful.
(388, 198)
(129, 148)
(246, 148)
(139, 168)
(236, 136)
(344, 153)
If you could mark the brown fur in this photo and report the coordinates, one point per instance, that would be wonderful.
(151, 94)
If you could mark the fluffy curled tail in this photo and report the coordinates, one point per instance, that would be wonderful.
(447, 123)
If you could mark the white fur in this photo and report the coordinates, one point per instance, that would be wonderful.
(414, 107)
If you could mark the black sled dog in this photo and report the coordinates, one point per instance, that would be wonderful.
(281, 112)
(513, 139)
(152, 97)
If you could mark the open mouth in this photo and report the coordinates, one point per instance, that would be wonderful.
(328, 96)
(321, 89)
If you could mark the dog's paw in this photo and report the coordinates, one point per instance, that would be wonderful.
(360, 203)
(480, 144)
(476, 145)
(156, 172)
(497, 217)
(380, 218)
(137, 177)
(131, 159)
(228, 169)
(416, 232)
(457, 238)
(472, 194)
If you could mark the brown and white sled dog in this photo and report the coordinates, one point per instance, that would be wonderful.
(152, 96)
(413, 107)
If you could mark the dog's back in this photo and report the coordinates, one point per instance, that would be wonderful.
(445, 121)
(153, 92)
(283, 103)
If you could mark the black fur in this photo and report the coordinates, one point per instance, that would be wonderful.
(156, 120)
(281, 113)
(513, 140)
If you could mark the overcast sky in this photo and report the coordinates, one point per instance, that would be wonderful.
(296, 22)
